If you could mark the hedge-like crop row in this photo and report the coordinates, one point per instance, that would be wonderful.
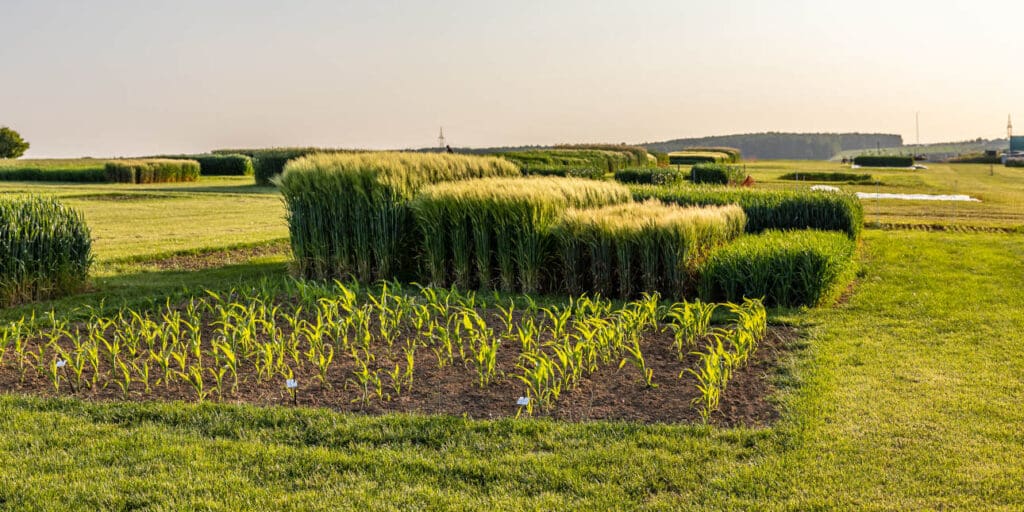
(717, 174)
(792, 268)
(650, 175)
(500, 227)
(1015, 162)
(770, 209)
(608, 161)
(592, 173)
(638, 155)
(269, 163)
(83, 170)
(733, 155)
(826, 176)
(977, 158)
(152, 171)
(45, 250)
(348, 214)
(884, 161)
(631, 248)
(563, 235)
(696, 157)
(218, 164)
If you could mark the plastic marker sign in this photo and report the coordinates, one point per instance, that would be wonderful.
(61, 363)
(523, 400)
(291, 384)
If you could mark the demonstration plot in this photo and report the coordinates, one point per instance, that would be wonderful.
(428, 351)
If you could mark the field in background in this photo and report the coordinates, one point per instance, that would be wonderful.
(1001, 193)
(936, 152)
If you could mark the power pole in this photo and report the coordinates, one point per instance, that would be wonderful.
(1009, 133)
(440, 139)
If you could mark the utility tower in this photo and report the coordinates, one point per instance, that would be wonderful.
(440, 139)
(1009, 126)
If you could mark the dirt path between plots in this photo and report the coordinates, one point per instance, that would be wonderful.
(218, 258)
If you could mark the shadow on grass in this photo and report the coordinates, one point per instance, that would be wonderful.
(250, 189)
(236, 186)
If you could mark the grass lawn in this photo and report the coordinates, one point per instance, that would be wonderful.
(136, 222)
(135, 228)
(906, 396)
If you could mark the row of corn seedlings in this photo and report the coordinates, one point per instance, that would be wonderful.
(724, 351)
(367, 341)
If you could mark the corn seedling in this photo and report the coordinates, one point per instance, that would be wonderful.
(636, 357)
(690, 321)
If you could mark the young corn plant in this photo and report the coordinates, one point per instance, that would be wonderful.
(410, 364)
(226, 358)
(142, 371)
(217, 375)
(635, 357)
(542, 378)
(397, 377)
(53, 372)
(125, 382)
(690, 322)
(76, 361)
(321, 356)
(485, 357)
(367, 381)
(194, 378)
(558, 319)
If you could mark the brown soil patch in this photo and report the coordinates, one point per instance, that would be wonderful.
(610, 393)
(219, 258)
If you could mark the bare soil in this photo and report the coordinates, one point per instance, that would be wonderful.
(612, 393)
(219, 258)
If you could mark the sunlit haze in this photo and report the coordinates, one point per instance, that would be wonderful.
(112, 78)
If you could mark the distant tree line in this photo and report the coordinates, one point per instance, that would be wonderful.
(791, 146)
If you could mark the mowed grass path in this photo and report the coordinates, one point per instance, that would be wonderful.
(143, 221)
(913, 392)
(907, 396)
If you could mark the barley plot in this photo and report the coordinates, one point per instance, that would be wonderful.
(770, 209)
(45, 250)
(348, 214)
(642, 246)
(794, 268)
(460, 220)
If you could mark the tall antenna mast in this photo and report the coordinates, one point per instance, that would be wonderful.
(440, 139)
(917, 121)
(1009, 126)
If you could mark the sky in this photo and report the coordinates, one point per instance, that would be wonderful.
(128, 78)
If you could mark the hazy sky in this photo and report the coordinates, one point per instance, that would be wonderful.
(111, 78)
